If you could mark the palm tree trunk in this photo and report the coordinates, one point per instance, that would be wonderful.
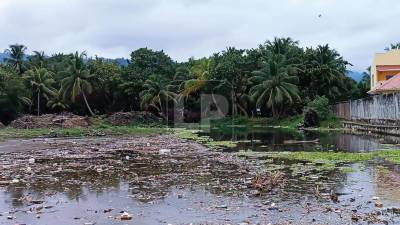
(38, 103)
(162, 110)
(273, 111)
(87, 104)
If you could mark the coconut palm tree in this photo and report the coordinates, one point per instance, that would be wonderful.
(274, 86)
(281, 46)
(156, 94)
(16, 57)
(37, 59)
(57, 102)
(201, 71)
(77, 81)
(393, 46)
(41, 81)
(327, 69)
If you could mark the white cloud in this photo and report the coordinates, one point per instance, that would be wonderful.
(185, 28)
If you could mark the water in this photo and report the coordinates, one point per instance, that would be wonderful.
(92, 180)
(278, 139)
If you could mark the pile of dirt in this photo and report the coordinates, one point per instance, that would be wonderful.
(127, 118)
(66, 120)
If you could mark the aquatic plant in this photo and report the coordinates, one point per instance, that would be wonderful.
(324, 157)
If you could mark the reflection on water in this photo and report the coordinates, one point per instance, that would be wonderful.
(275, 139)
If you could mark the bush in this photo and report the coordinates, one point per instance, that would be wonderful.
(321, 106)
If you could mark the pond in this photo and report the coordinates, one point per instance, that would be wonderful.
(280, 139)
(161, 179)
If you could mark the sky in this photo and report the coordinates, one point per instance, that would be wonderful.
(198, 28)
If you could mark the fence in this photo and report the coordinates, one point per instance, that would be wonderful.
(377, 109)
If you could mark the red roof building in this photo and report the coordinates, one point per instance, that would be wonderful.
(388, 86)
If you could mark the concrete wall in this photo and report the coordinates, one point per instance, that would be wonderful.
(378, 109)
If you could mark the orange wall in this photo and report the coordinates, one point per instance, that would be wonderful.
(382, 74)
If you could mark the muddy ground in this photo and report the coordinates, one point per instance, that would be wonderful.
(165, 180)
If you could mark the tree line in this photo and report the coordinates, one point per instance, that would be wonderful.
(278, 78)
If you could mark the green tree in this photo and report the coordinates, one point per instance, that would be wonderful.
(364, 85)
(274, 87)
(323, 73)
(230, 77)
(156, 94)
(201, 72)
(13, 95)
(286, 47)
(77, 81)
(57, 103)
(16, 57)
(108, 95)
(321, 106)
(144, 63)
(41, 81)
(37, 59)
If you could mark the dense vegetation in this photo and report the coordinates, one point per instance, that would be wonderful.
(278, 79)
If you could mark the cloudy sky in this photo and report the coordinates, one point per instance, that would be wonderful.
(186, 28)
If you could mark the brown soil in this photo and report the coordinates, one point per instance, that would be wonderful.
(127, 118)
(67, 120)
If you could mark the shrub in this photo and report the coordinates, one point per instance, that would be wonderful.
(320, 105)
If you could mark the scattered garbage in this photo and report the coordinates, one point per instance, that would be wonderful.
(379, 204)
(164, 151)
(125, 216)
(268, 181)
(100, 164)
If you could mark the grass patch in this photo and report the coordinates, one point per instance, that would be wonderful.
(346, 169)
(331, 122)
(288, 122)
(193, 135)
(102, 130)
(226, 144)
(392, 156)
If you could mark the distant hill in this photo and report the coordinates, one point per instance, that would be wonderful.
(121, 61)
(355, 75)
(3, 56)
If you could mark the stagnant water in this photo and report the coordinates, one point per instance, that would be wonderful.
(278, 139)
(92, 181)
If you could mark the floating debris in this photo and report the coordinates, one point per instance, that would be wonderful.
(125, 216)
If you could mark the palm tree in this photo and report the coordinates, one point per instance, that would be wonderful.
(17, 54)
(77, 81)
(393, 46)
(57, 102)
(41, 81)
(201, 71)
(281, 46)
(327, 69)
(37, 59)
(156, 94)
(274, 86)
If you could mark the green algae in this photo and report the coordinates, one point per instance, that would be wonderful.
(193, 135)
(392, 156)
